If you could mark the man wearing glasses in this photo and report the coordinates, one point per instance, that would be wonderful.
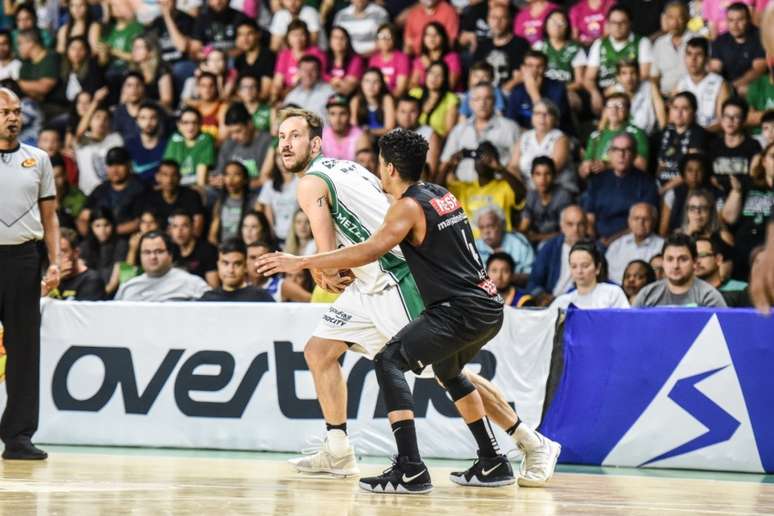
(612, 193)
(160, 282)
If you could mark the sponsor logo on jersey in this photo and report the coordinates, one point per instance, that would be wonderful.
(445, 205)
(29, 162)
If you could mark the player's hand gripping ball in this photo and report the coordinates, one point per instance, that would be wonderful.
(332, 284)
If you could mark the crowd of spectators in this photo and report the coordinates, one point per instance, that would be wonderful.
(608, 153)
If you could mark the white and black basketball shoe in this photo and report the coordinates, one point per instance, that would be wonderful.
(486, 472)
(403, 477)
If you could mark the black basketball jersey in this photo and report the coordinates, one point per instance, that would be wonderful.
(446, 264)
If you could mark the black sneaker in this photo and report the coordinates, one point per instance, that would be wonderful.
(485, 472)
(23, 451)
(403, 477)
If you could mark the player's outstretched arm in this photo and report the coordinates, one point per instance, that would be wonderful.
(401, 218)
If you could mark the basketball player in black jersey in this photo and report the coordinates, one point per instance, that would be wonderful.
(463, 312)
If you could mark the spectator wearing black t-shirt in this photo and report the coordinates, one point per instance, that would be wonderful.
(173, 31)
(681, 136)
(147, 147)
(232, 272)
(216, 26)
(197, 256)
(78, 282)
(504, 51)
(103, 250)
(473, 24)
(120, 193)
(169, 197)
(254, 59)
(738, 54)
(646, 15)
(733, 150)
(748, 210)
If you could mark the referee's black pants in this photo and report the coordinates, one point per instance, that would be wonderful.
(20, 315)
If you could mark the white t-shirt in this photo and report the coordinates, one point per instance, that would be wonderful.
(283, 205)
(11, 70)
(604, 295)
(282, 18)
(91, 161)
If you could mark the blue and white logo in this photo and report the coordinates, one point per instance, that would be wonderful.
(698, 419)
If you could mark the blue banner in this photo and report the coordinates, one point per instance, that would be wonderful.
(671, 388)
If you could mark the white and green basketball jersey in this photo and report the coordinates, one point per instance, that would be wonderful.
(358, 208)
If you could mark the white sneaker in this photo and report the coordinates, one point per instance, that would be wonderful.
(538, 464)
(323, 461)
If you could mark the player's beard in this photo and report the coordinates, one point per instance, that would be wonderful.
(301, 163)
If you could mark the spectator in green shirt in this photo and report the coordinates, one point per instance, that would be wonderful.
(115, 50)
(192, 149)
(760, 97)
(39, 74)
(615, 120)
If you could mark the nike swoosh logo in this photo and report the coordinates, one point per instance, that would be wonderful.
(486, 472)
(411, 479)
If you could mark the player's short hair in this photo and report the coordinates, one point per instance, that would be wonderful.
(713, 244)
(410, 99)
(180, 212)
(406, 150)
(689, 97)
(313, 122)
(168, 244)
(699, 42)
(170, 163)
(680, 240)
(501, 257)
(233, 245)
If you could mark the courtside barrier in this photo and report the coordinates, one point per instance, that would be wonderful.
(668, 388)
(233, 376)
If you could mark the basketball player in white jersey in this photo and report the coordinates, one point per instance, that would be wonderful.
(345, 205)
(709, 88)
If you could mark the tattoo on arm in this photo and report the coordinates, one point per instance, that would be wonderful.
(321, 201)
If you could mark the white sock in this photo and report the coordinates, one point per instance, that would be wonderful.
(338, 442)
(527, 437)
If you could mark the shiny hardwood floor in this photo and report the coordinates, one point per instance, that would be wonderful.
(136, 483)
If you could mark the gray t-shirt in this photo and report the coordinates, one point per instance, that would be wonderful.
(26, 177)
(701, 293)
(251, 155)
(175, 285)
(545, 219)
(230, 218)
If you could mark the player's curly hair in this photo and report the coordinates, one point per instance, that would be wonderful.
(406, 150)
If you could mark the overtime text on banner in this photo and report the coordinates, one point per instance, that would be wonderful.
(666, 388)
(233, 376)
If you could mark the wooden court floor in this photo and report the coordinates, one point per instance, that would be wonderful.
(131, 482)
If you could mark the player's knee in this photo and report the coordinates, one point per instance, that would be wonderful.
(320, 353)
(391, 358)
(458, 386)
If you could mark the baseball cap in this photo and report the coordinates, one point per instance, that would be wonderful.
(117, 156)
(337, 100)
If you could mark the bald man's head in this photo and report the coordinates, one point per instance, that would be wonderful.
(10, 117)
(642, 218)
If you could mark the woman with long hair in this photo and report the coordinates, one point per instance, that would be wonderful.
(439, 104)
(79, 72)
(587, 269)
(102, 250)
(566, 58)
(345, 67)
(80, 23)
(299, 44)
(393, 63)
(435, 47)
(278, 197)
(373, 108)
(158, 77)
(695, 174)
(233, 202)
(300, 240)
(700, 218)
(257, 228)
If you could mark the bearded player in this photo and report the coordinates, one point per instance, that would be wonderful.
(345, 205)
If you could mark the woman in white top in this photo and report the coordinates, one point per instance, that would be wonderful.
(544, 140)
(585, 269)
(647, 110)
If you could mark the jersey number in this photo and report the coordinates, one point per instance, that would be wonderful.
(471, 248)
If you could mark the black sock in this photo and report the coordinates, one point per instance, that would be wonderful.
(512, 429)
(406, 438)
(482, 431)
(342, 427)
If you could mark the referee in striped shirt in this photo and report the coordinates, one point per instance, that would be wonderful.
(27, 215)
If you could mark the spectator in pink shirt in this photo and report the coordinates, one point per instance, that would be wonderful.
(422, 14)
(393, 63)
(345, 67)
(286, 68)
(435, 47)
(530, 20)
(587, 19)
(714, 12)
